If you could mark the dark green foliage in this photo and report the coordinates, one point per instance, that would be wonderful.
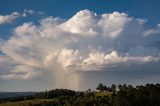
(14, 99)
(103, 88)
(100, 87)
(148, 95)
(127, 95)
(113, 88)
(57, 93)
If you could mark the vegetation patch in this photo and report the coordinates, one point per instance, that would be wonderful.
(103, 94)
(34, 102)
(121, 95)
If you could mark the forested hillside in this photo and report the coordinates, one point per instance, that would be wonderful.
(121, 95)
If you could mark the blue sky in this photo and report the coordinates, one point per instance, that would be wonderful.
(46, 44)
(62, 8)
(66, 9)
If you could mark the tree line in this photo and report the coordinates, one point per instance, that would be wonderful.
(104, 88)
(121, 95)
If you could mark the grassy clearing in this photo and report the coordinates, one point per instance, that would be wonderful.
(103, 94)
(29, 102)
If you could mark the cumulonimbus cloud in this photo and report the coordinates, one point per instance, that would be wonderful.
(85, 42)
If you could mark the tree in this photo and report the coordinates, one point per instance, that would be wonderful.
(100, 87)
(89, 90)
(113, 87)
(105, 88)
(120, 87)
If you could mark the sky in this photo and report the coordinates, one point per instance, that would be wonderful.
(78, 44)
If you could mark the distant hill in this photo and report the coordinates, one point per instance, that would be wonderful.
(15, 94)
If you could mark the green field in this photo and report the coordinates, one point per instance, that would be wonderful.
(103, 94)
(34, 102)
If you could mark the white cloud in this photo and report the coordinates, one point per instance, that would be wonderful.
(112, 24)
(153, 31)
(83, 23)
(86, 42)
(25, 29)
(28, 11)
(8, 18)
(100, 61)
(67, 57)
(26, 76)
(5, 19)
(13, 70)
(31, 12)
